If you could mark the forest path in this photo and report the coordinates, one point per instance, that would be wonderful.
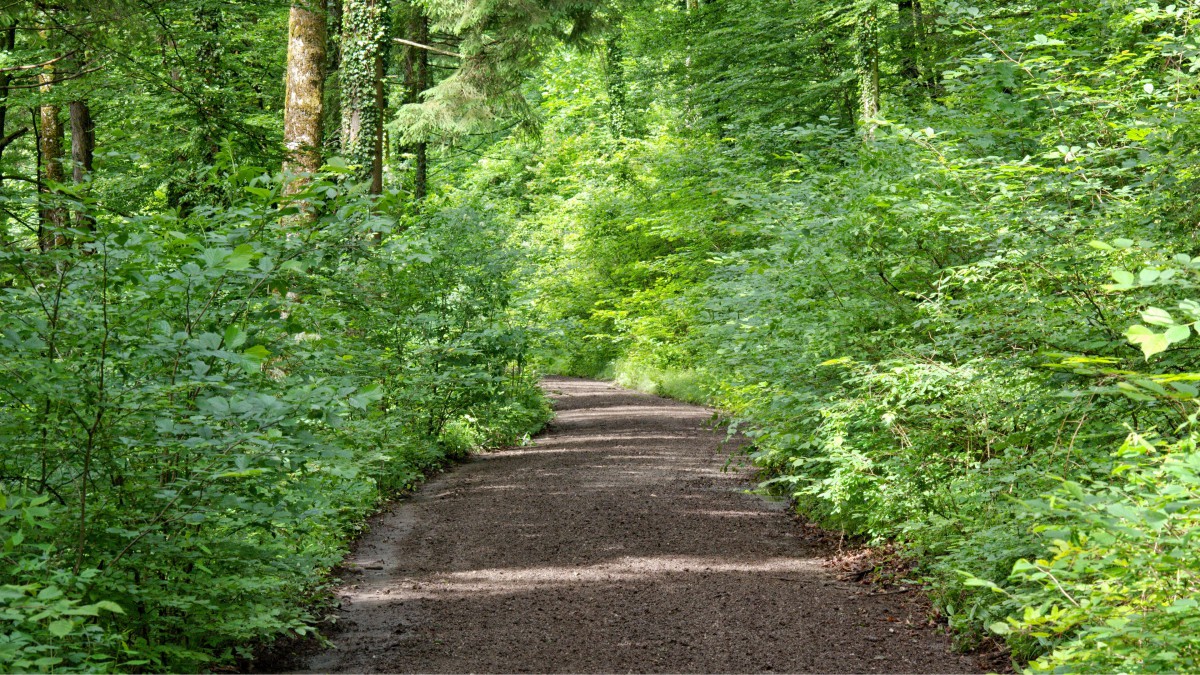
(615, 544)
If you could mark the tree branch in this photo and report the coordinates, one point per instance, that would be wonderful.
(435, 50)
(43, 64)
(7, 140)
(72, 76)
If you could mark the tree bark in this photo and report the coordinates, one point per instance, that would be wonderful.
(83, 149)
(10, 44)
(614, 72)
(363, 34)
(377, 151)
(53, 218)
(925, 49)
(333, 87)
(910, 68)
(304, 101)
(868, 68)
(416, 82)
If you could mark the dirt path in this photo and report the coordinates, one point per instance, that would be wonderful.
(615, 544)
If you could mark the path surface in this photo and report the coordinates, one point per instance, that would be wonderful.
(615, 544)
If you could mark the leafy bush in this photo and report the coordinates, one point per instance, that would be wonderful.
(201, 409)
(1116, 589)
(911, 316)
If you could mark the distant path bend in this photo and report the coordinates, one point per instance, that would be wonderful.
(615, 544)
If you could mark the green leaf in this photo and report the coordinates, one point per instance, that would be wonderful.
(234, 337)
(258, 352)
(1176, 334)
(1123, 278)
(61, 627)
(1157, 317)
(1151, 343)
(241, 258)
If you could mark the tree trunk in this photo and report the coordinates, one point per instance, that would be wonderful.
(333, 87)
(910, 68)
(53, 218)
(305, 98)
(10, 44)
(208, 62)
(614, 72)
(377, 151)
(83, 149)
(925, 49)
(363, 33)
(417, 76)
(868, 68)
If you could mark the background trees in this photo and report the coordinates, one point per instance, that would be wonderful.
(934, 257)
(211, 372)
(917, 249)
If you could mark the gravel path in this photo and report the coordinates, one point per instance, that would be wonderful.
(615, 544)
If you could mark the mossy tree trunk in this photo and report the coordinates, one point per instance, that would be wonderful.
(363, 35)
(868, 67)
(52, 216)
(83, 150)
(303, 114)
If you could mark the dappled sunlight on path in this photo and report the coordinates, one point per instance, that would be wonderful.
(616, 543)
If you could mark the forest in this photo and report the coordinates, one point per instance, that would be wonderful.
(266, 264)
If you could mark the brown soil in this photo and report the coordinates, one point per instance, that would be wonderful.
(616, 544)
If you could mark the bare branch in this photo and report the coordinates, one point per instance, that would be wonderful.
(7, 140)
(65, 78)
(435, 50)
(34, 66)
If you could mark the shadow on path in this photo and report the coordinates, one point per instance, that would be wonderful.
(615, 544)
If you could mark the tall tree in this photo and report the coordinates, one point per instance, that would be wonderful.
(867, 34)
(906, 13)
(303, 112)
(6, 138)
(614, 72)
(363, 34)
(416, 81)
(83, 149)
(52, 216)
(333, 77)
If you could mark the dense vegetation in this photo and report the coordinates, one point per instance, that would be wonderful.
(953, 313)
(210, 373)
(932, 256)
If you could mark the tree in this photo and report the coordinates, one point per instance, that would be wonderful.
(363, 34)
(53, 217)
(83, 147)
(416, 81)
(303, 112)
(867, 34)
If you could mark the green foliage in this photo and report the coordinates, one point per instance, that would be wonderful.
(207, 405)
(929, 333)
(958, 331)
(1116, 588)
